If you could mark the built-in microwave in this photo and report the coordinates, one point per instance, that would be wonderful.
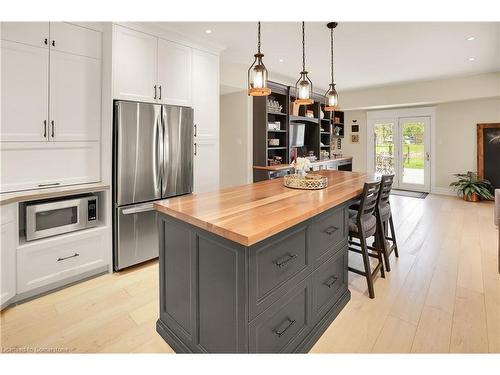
(57, 216)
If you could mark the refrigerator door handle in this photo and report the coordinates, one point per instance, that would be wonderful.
(158, 161)
(138, 209)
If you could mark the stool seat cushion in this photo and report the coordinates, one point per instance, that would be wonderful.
(385, 212)
(369, 224)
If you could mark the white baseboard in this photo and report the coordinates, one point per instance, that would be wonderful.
(443, 191)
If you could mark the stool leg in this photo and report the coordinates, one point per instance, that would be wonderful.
(366, 262)
(381, 228)
(393, 235)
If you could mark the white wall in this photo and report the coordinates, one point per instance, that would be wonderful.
(357, 150)
(235, 139)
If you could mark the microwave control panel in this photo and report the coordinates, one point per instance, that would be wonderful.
(92, 210)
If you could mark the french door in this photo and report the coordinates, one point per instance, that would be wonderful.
(401, 146)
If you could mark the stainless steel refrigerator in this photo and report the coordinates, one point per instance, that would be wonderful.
(152, 160)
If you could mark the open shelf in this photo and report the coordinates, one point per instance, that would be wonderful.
(276, 113)
(276, 131)
(276, 148)
(304, 118)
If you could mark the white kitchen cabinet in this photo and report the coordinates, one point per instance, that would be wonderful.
(32, 33)
(75, 97)
(205, 90)
(174, 73)
(66, 37)
(8, 253)
(48, 261)
(31, 165)
(134, 65)
(25, 92)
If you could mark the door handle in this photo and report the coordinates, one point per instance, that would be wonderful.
(45, 41)
(51, 184)
(160, 93)
(155, 91)
(195, 130)
(195, 148)
(289, 325)
(68, 257)
(53, 126)
(138, 209)
(44, 128)
(427, 156)
(53, 43)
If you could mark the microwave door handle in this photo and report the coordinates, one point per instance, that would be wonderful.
(138, 209)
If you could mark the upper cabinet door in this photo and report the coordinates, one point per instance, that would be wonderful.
(32, 33)
(174, 73)
(75, 97)
(25, 90)
(66, 37)
(134, 65)
(206, 93)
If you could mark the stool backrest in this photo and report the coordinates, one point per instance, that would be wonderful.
(385, 189)
(369, 200)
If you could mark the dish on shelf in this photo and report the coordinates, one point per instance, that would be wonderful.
(273, 142)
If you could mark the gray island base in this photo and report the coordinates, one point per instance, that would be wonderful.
(278, 295)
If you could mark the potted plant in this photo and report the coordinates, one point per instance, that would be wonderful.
(471, 188)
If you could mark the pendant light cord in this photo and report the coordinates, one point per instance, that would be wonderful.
(258, 39)
(303, 47)
(331, 41)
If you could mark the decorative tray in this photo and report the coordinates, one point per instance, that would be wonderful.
(310, 182)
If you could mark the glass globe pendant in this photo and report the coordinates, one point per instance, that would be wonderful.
(331, 96)
(257, 74)
(304, 86)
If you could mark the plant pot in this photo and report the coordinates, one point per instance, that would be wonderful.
(473, 198)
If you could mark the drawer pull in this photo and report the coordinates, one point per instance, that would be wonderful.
(284, 261)
(71, 256)
(332, 280)
(282, 332)
(331, 230)
(51, 184)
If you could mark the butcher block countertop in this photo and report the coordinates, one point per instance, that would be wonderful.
(280, 167)
(251, 213)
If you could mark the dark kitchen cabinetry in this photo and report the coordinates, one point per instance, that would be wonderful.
(278, 295)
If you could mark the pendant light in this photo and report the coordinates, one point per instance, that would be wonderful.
(331, 95)
(303, 87)
(257, 73)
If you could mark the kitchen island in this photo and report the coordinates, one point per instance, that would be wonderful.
(258, 268)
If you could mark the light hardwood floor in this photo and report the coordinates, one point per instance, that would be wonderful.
(442, 295)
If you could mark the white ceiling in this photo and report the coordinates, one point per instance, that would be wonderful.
(366, 54)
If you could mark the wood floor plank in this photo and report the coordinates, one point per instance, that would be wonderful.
(433, 332)
(396, 336)
(469, 333)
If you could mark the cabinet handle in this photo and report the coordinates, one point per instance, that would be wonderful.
(280, 263)
(53, 43)
(45, 41)
(331, 280)
(53, 126)
(51, 184)
(331, 230)
(160, 93)
(155, 91)
(195, 148)
(71, 256)
(44, 128)
(289, 325)
(195, 130)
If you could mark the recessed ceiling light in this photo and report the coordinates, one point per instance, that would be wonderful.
(208, 31)
(471, 38)
(472, 59)
(281, 60)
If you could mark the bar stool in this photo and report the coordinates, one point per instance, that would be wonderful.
(362, 225)
(384, 221)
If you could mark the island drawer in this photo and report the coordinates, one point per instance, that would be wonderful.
(281, 327)
(273, 265)
(329, 282)
(327, 231)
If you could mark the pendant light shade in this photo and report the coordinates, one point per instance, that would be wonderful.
(331, 96)
(304, 86)
(257, 73)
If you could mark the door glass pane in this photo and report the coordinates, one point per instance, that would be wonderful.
(413, 152)
(384, 148)
(56, 218)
